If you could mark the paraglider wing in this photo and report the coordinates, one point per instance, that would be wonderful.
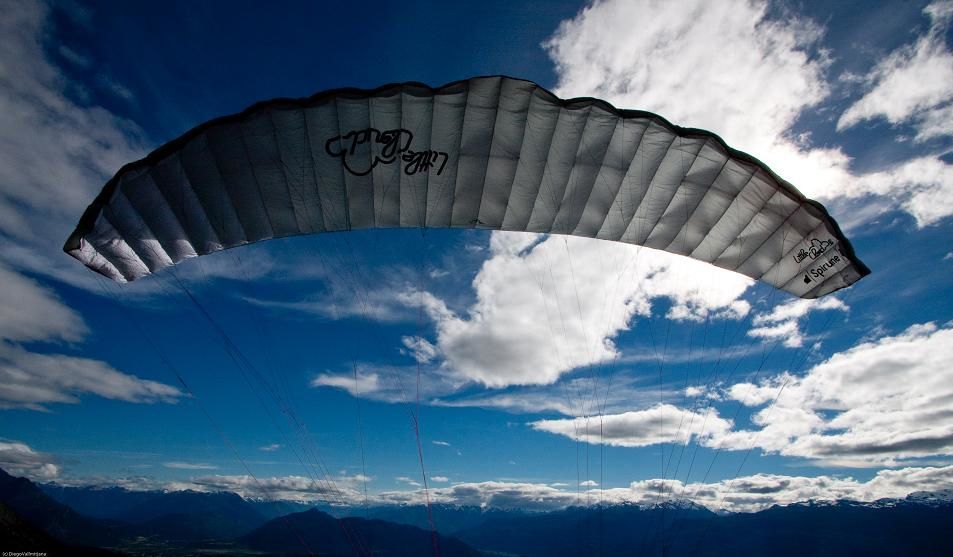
(488, 152)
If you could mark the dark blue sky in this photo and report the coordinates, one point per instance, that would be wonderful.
(293, 307)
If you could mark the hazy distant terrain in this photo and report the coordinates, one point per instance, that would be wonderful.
(45, 518)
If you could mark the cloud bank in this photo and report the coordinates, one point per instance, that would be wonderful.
(732, 68)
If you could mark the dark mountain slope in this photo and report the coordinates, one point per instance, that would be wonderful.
(176, 516)
(17, 535)
(320, 533)
(841, 529)
(109, 503)
(56, 519)
(449, 519)
(792, 531)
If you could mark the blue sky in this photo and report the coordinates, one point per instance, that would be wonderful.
(762, 398)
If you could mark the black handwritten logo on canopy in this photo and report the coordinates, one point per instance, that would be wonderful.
(816, 249)
(382, 147)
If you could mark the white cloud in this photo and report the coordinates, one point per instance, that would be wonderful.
(877, 404)
(362, 384)
(31, 380)
(189, 465)
(389, 383)
(783, 320)
(19, 459)
(546, 307)
(341, 302)
(441, 443)
(922, 186)
(439, 479)
(730, 68)
(336, 490)
(884, 402)
(30, 312)
(270, 448)
(695, 63)
(589, 483)
(661, 424)
(744, 494)
(56, 153)
(914, 84)
(419, 348)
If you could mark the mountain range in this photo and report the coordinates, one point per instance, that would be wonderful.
(65, 520)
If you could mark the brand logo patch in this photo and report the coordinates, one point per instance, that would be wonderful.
(815, 250)
(391, 146)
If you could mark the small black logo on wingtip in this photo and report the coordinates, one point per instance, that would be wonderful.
(815, 250)
(807, 279)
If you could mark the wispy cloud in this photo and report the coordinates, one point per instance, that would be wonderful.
(189, 465)
(783, 321)
(392, 383)
(32, 380)
(31, 312)
(914, 84)
(363, 383)
(50, 167)
(408, 481)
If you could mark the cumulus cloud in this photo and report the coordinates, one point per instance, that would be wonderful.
(32, 380)
(19, 459)
(879, 403)
(732, 68)
(439, 479)
(914, 84)
(783, 321)
(695, 64)
(545, 306)
(884, 402)
(337, 490)
(661, 424)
